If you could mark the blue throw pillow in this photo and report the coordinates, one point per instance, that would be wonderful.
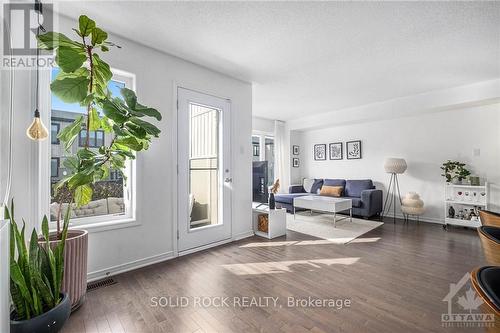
(318, 183)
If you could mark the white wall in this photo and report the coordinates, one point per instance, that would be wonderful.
(263, 125)
(425, 141)
(156, 74)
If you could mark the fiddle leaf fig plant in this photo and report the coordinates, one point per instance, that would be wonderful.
(83, 79)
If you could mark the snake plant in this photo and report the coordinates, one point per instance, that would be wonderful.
(36, 270)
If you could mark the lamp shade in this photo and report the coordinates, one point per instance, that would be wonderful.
(395, 165)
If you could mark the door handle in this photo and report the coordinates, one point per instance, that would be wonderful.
(228, 180)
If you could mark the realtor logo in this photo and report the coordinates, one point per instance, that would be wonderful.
(464, 307)
(22, 23)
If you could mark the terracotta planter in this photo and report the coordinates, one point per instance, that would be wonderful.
(75, 265)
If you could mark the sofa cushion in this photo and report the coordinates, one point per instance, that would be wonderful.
(334, 182)
(288, 198)
(353, 188)
(331, 191)
(318, 183)
(356, 201)
(307, 184)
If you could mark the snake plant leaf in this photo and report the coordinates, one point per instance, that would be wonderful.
(85, 25)
(83, 195)
(45, 228)
(52, 40)
(18, 278)
(69, 133)
(18, 301)
(70, 59)
(70, 89)
(98, 36)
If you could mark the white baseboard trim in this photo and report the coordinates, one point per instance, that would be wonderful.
(204, 247)
(243, 235)
(122, 268)
(422, 218)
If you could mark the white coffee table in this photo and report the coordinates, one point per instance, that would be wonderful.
(324, 204)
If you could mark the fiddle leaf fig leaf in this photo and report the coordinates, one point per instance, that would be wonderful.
(52, 40)
(150, 112)
(69, 133)
(94, 120)
(86, 25)
(129, 97)
(113, 112)
(83, 195)
(98, 36)
(80, 72)
(79, 179)
(70, 59)
(149, 128)
(70, 89)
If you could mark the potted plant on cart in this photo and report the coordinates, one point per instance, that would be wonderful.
(454, 171)
(83, 79)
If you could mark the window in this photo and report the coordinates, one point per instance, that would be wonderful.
(269, 144)
(112, 198)
(54, 167)
(54, 130)
(96, 138)
(256, 147)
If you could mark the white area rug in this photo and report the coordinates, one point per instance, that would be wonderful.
(321, 226)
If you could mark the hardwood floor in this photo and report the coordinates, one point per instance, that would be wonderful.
(395, 276)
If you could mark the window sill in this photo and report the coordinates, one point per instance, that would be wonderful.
(93, 227)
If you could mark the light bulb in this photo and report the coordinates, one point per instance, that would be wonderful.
(37, 130)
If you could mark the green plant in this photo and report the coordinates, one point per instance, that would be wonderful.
(84, 79)
(454, 170)
(36, 271)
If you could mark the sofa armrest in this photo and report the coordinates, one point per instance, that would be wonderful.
(296, 189)
(372, 200)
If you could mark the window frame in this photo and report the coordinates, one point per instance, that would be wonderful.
(56, 142)
(93, 135)
(90, 223)
(58, 160)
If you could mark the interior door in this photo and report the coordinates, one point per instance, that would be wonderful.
(204, 173)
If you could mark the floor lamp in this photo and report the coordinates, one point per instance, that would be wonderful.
(394, 166)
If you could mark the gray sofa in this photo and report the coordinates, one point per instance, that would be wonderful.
(366, 199)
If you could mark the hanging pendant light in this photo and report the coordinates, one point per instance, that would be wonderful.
(37, 130)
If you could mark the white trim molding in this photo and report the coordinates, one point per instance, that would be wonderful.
(126, 267)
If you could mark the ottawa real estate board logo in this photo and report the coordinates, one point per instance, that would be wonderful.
(20, 24)
(464, 307)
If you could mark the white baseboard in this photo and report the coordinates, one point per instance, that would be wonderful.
(422, 218)
(122, 268)
(242, 235)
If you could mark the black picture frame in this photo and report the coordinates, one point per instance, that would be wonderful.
(319, 152)
(295, 150)
(295, 162)
(353, 150)
(333, 148)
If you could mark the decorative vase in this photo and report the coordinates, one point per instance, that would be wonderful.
(51, 321)
(75, 265)
(272, 202)
(451, 212)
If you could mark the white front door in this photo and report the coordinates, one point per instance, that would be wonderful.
(204, 173)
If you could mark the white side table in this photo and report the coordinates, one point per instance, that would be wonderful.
(277, 221)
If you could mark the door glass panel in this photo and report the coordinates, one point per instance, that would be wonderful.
(203, 166)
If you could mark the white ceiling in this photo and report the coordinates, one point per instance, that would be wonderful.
(311, 57)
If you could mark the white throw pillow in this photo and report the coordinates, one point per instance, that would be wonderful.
(308, 183)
